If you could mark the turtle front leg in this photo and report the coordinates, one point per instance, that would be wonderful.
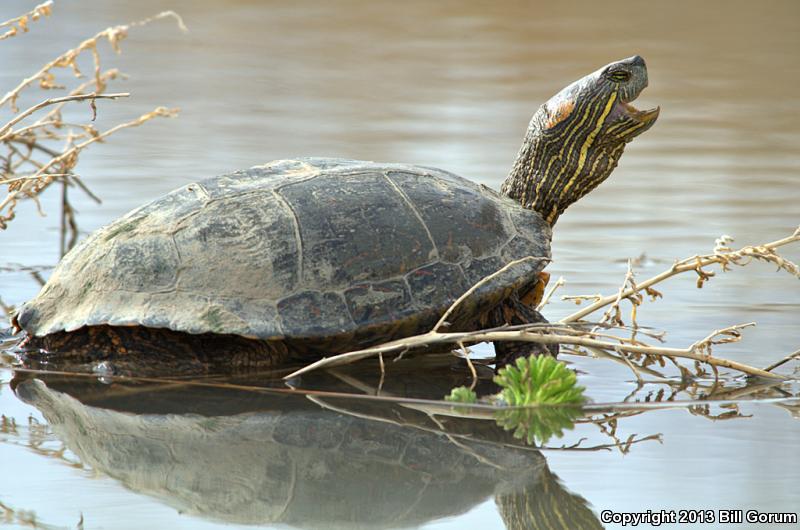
(513, 312)
(520, 308)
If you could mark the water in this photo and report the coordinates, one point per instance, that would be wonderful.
(453, 86)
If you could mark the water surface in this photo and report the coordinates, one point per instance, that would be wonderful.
(453, 85)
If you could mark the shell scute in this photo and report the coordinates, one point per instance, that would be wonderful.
(242, 246)
(378, 302)
(314, 314)
(148, 262)
(462, 222)
(478, 269)
(436, 285)
(355, 228)
(520, 247)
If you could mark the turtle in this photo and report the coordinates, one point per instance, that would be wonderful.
(306, 257)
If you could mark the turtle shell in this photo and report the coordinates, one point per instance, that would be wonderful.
(298, 249)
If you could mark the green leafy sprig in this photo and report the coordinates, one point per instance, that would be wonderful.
(539, 380)
(462, 394)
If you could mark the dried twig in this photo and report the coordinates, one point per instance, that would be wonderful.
(20, 23)
(38, 182)
(697, 351)
(6, 132)
(614, 314)
(68, 59)
(790, 357)
(580, 298)
(460, 300)
(722, 256)
(471, 366)
(562, 333)
(31, 162)
(546, 298)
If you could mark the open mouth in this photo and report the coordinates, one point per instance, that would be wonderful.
(626, 121)
(642, 116)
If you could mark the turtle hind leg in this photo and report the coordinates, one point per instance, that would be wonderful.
(513, 311)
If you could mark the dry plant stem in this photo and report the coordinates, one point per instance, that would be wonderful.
(5, 132)
(233, 386)
(51, 127)
(105, 77)
(21, 22)
(113, 35)
(693, 352)
(546, 299)
(634, 369)
(791, 356)
(383, 375)
(443, 321)
(356, 383)
(33, 177)
(77, 180)
(694, 263)
(471, 366)
(613, 311)
(42, 179)
(579, 298)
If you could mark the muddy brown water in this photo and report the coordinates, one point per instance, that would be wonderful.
(447, 84)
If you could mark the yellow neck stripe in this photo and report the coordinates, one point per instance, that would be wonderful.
(588, 143)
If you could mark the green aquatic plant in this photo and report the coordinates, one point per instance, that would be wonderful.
(541, 395)
(549, 393)
(539, 380)
(462, 394)
(538, 423)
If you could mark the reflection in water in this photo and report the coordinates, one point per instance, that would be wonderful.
(284, 459)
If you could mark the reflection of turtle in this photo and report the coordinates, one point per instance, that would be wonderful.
(324, 254)
(284, 460)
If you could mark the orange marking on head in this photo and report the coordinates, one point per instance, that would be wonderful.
(559, 113)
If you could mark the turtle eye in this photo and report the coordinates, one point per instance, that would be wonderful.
(619, 76)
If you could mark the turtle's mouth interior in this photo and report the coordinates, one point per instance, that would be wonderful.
(624, 109)
(638, 115)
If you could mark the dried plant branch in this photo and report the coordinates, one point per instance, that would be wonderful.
(580, 298)
(473, 372)
(443, 321)
(722, 256)
(54, 114)
(68, 59)
(20, 23)
(34, 184)
(546, 298)
(790, 357)
(614, 314)
(698, 351)
(561, 333)
(636, 371)
(34, 177)
(77, 180)
(597, 352)
(6, 132)
(31, 162)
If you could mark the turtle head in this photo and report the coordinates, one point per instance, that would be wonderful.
(575, 140)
